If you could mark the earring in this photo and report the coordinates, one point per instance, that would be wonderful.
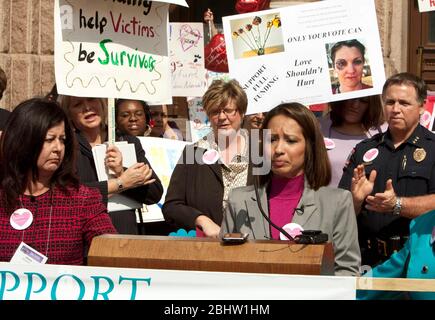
(147, 130)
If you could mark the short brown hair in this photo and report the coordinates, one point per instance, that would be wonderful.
(372, 118)
(317, 168)
(220, 93)
(407, 79)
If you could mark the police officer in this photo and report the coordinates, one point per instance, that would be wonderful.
(392, 175)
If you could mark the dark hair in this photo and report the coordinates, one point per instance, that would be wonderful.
(317, 168)
(4, 116)
(3, 82)
(21, 144)
(145, 106)
(372, 118)
(409, 79)
(53, 94)
(220, 92)
(348, 43)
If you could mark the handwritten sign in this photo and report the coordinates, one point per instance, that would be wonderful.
(199, 124)
(112, 49)
(163, 155)
(290, 54)
(426, 5)
(186, 43)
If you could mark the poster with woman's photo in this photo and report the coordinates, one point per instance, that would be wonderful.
(310, 53)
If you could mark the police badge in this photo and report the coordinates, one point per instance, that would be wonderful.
(419, 154)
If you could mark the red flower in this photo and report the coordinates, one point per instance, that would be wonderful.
(256, 21)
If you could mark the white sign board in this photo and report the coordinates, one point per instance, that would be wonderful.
(186, 44)
(426, 5)
(284, 54)
(52, 282)
(112, 49)
(199, 124)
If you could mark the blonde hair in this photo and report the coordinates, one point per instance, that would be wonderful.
(65, 103)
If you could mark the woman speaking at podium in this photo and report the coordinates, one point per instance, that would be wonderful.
(294, 196)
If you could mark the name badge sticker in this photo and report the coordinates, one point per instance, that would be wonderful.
(25, 254)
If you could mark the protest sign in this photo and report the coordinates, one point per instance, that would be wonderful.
(186, 43)
(287, 54)
(61, 282)
(426, 5)
(199, 124)
(112, 49)
(427, 119)
(163, 155)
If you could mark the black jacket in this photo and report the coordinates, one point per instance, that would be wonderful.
(87, 173)
(195, 189)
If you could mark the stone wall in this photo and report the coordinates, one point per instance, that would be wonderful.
(26, 48)
(26, 43)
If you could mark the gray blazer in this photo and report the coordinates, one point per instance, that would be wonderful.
(327, 209)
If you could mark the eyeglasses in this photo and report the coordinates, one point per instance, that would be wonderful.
(227, 111)
(340, 64)
(161, 114)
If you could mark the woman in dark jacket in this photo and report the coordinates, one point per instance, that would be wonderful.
(209, 169)
(138, 182)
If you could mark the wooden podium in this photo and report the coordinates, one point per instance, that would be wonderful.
(203, 254)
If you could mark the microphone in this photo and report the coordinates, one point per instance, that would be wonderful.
(266, 217)
(307, 236)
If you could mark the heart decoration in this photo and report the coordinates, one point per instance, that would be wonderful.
(210, 156)
(329, 143)
(425, 119)
(370, 155)
(216, 54)
(21, 219)
(188, 37)
(292, 229)
(245, 6)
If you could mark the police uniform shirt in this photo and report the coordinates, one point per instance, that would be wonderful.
(411, 167)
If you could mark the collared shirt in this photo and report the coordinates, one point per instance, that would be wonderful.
(235, 174)
(412, 174)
